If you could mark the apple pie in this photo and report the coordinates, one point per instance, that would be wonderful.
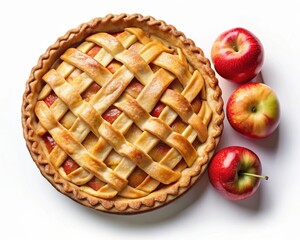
(122, 114)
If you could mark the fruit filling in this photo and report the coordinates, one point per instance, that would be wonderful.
(111, 114)
(178, 125)
(159, 151)
(95, 183)
(49, 141)
(90, 91)
(134, 88)
(114, 66)
(196, 103)
(94, 51)
(158, 109)
(137, 177)
(69, 165)
(50, 99)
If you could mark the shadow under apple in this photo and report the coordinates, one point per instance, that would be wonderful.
(253, 203)
(270, 143)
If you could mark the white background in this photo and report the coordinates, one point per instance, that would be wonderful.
(30, 208)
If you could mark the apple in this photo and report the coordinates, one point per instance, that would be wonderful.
(235, 172)
(237, 55)
(253, 110)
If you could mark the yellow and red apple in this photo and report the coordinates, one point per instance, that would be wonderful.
(253, 110)
(235, 172)
(237, 55)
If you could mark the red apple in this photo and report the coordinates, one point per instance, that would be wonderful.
(235, 172)
(237, 55)
(253, 110)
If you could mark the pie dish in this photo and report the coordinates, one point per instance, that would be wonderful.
(122, 114)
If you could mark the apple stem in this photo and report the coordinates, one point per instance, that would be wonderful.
(253, 109)
(235, 48)
(254, 175)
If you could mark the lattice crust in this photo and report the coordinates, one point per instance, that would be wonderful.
(131, 72)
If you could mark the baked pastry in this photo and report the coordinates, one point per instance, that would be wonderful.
(122, 114)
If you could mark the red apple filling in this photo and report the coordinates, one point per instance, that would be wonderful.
(111, 114)
(50, 99)
(95, 183)
(114, 66)
(94, 51)
(69, 165)
(158, 109)
(134, 88)
(49, 141)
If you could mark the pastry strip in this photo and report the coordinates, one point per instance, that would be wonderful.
(76, 150)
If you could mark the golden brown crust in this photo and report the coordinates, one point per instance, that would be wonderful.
(211, 115)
